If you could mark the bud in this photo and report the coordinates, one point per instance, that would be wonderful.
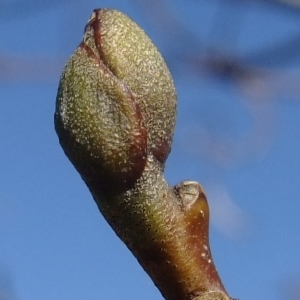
(115, 118)
(116, 103)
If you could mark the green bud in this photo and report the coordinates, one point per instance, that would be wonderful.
(116, 103)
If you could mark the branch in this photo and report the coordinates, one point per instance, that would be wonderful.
(115, 117)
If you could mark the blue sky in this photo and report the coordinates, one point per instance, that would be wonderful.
(239, 138)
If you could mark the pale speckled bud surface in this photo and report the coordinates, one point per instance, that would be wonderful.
(115, 117)
(116, 102)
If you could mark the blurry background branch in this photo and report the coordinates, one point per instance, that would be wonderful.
(291, 4)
